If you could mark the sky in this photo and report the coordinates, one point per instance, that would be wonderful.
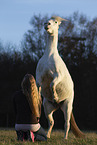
(15, 15)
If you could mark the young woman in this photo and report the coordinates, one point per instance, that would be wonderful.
(27, 106)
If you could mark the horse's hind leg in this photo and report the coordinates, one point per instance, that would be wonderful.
(49, 109)
(67, 109)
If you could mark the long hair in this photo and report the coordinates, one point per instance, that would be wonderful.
(30, 90)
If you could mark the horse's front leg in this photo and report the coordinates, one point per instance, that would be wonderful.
(49, 109)
(67, 109)
(57, 78)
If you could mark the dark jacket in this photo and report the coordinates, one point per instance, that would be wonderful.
(23, 113)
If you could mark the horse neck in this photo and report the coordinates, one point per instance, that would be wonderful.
(52, 42)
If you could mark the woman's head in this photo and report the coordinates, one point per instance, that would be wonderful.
(27, 84)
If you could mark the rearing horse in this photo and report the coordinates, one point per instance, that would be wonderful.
(56, 84)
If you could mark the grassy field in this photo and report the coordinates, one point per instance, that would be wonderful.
(8, 137)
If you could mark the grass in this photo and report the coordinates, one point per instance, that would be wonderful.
(8, 137)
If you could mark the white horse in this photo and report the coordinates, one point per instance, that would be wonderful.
(56, 84)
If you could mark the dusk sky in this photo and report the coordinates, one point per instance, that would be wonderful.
(15, 15)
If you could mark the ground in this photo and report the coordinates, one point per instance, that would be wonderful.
(8, 137)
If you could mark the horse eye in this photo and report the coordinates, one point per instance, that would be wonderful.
(49, 23)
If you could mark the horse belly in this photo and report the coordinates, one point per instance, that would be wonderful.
(64, 89)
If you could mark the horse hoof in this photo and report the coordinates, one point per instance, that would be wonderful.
(65, 137)
(48, 135)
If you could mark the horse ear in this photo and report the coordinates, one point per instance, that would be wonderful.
(59, 19)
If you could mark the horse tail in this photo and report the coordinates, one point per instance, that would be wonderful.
(76, 131)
